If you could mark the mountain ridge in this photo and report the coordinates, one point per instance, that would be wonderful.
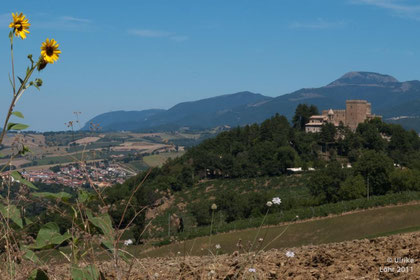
(384, 92)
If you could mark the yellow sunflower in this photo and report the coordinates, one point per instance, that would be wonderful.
(20, 25)
(50, 51)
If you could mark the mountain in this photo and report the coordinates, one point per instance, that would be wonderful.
(201, 114)
(122, 120)
(396, 101)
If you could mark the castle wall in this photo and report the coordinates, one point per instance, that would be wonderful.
(356, 112)
(339, 116)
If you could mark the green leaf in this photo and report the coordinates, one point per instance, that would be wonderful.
(18, 114)
(24, 150)
(13, 213)
(49, 235)
(18, 177)
(89, 272)
(28, 221)
(17, 126)
(61, 195)
(104, 223)
(107, 244)
(30, 255)
(20, 80)
(38, 274)
(11, 83)
(84, 196)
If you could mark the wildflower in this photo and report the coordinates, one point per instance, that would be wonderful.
(218, 246)
(128, 242)
(179, 253)
(276, 200)
(269, 204)
(252, 270)
(260, 240)
(213, 206)
(290, 254)
(20, 25)
(50, 51)
(297, 217)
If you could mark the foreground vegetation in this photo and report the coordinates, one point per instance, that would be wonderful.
(365, 224)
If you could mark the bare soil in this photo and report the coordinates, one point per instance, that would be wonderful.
(392, 257)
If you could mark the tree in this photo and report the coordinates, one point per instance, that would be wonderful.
(404, 180)
(375, 167)
(328, 132)
(302, 114)
(352, 188)
(370, 136)
(325, 183)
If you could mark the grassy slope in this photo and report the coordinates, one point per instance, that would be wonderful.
(364, 224)
(160, 159)
(289, 188)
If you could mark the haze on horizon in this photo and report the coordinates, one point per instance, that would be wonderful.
(135, 55)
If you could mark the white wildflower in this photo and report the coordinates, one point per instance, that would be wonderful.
(276, 200)
(252, 270)
(128, 242)
(260, 240)
(218, 246)
(179, 253)
(269, 203)
(290, 254)
(213, 207)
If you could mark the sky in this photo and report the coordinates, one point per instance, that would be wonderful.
(135, 55)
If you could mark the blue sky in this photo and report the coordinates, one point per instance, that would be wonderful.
(134, 55)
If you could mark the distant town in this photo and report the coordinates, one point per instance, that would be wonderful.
(98, 173)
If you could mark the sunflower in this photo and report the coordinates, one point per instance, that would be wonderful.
(50, 51)
(20, 25)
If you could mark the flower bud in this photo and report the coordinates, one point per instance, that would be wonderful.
(42, 64)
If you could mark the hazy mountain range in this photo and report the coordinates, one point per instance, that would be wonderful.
(396, 101)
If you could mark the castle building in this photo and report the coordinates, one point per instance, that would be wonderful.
(357, 111)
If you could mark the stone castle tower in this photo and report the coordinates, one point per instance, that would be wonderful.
(357, 111)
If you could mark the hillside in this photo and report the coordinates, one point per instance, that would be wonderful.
(241, 169)
(201, 114)
(389, 97)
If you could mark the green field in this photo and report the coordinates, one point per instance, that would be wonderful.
(358, 225)
(160, 159)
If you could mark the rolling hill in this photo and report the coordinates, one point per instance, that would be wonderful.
(397, 102)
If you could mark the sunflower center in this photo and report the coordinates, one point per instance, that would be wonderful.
(49, 51)
(19, 26)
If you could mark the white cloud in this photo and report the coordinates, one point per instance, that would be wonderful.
(317, 24)
(75, 19)
(402, 8)
(149, 33)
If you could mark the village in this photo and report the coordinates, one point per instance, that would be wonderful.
(75, 175)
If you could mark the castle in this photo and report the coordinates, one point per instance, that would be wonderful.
(357, 111)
